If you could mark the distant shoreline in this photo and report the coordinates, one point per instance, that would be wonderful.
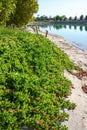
(83, 22)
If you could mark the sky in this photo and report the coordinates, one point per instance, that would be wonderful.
(62, 7)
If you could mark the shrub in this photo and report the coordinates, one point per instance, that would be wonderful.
(32, 84)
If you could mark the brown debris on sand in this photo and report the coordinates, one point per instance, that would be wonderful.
(81, 74)
(84, 88)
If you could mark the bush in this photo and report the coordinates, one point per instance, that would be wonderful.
(32, 84)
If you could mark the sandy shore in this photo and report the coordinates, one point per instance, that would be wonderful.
(78, 117)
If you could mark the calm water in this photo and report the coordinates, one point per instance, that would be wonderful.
(77, 35)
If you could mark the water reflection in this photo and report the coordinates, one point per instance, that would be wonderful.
(75, 27)
(81, 28)
(59, 26)
(70, 27)
(86, 28)
(76, 34)
(44, 25)
(65, 26)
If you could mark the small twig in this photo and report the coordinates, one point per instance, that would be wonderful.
(46, 33)
(36, 29)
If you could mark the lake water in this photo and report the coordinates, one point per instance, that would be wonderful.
(77, 35)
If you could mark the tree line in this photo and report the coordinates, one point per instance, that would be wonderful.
(60, 18)
(17, 12)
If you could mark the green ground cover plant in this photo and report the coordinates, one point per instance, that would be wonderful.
(32, 85)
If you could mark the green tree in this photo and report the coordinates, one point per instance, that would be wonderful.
(63, 18)
(86, 17)
(24, 12)
(6, 8)
(81, 17)
(70, 18)
(43, 18)
(57, 17)
(75, 18)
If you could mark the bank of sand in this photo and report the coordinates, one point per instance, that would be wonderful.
(78, 116)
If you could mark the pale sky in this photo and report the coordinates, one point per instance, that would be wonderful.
(62, 7)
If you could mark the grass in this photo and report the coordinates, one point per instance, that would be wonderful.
(32, 85)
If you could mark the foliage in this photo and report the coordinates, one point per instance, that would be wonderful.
(32, 85)
(18, 12)
(24, 12)
(75, 18)
(81, 17)
(86, 17)
(70, 18)
(6, 8)
(59, 18)
(45, 18)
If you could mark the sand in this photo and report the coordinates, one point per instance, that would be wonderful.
(78, 116)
